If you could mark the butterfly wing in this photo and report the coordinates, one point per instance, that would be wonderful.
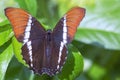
(25, 26)
(69, 23)
(64, 32)
(29, 31)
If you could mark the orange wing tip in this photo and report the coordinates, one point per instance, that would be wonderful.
(11, 10)
(79, 8)
(74, 17)
(18, 19)
(77, 11)
(8, 9)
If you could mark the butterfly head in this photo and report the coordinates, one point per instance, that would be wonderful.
(49, 31)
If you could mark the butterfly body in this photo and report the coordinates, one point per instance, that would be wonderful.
(44, 51)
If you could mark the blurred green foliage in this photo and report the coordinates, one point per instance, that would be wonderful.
(97, 39)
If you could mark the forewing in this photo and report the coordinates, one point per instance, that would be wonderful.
(68, 24)
(25, 26)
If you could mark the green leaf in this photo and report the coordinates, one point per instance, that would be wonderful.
(106, 39)
(19, 71)
(6, 50)
(5, 27)
(5, 34)
(29, 5)
(32, 6)
(5, 22)
(42, 77)
(100, 72)
(47, 12)
(4, 46)
(17, 50)
(5, 58)
(101, 25)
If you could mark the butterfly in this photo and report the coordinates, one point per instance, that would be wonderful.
(45, 51)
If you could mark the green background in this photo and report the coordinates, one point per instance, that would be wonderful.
(94, 53)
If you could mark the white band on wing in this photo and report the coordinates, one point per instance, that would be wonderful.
(62, 43)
